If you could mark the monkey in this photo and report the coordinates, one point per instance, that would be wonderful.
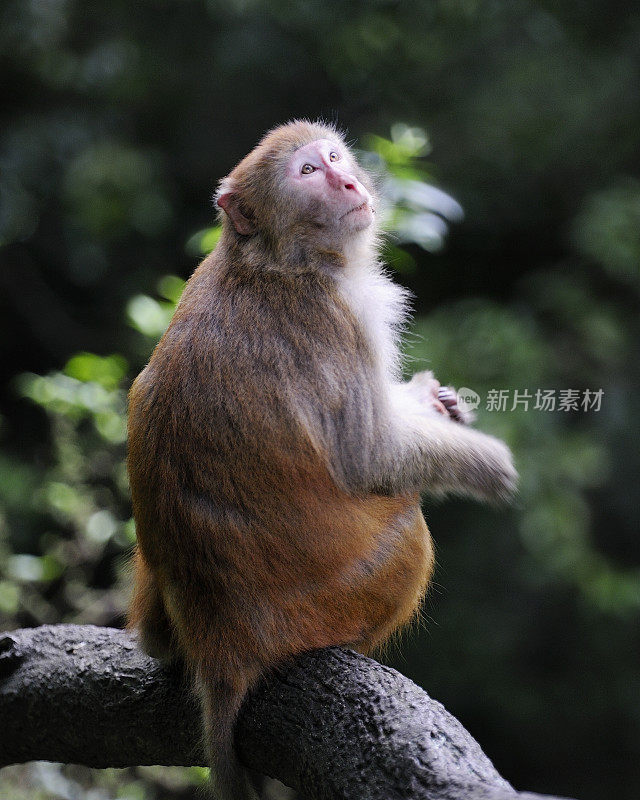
(276, 457)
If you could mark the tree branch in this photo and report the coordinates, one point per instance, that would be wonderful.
(333, 724)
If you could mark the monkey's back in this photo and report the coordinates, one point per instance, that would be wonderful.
(255, 550)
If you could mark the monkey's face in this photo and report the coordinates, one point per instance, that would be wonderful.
(326, 192)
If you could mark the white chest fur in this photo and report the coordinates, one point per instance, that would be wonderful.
(381, 306)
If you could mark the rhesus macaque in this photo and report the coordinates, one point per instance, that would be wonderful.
(276, 457)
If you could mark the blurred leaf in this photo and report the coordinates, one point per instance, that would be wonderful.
(414, 210)
(101, 526)
(64, 498)
(17, 483)
(149, 316)
(113, 187)
(608, 231)
(204, 241)
(9, 597)
(26, 567)
(108, 371)
(171, 287)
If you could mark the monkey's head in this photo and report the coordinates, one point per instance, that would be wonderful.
(300, 183)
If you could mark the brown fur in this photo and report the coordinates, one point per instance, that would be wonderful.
(276, 508)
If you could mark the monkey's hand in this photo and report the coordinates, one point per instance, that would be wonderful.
(427, 391)
(448, 396)
(460, 460)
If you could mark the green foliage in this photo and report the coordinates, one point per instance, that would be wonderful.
(108, 372)
(150, 316)
(416, 211)
(78, 501)
(110, 186)
(608, 231)
(204, 241)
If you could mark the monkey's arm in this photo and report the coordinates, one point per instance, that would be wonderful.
(452, 458)
(411, 447)
(442, 454)
(438, 455)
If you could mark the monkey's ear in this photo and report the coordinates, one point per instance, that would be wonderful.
(230, 204)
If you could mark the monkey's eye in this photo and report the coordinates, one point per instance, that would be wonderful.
(333, 156)
(307, 169)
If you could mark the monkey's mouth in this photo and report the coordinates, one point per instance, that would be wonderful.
(361, 207)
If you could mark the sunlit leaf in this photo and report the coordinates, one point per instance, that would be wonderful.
(101, 526)
(9, 597)
(108, 371)
(149, 316)
(171, 287)
(24, 567)
(204, 241)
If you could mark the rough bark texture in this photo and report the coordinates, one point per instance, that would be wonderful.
(333, 724)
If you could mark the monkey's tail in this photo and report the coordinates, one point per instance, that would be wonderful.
(221, 702)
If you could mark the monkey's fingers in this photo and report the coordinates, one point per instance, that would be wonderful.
(448, 397)
(439, 406)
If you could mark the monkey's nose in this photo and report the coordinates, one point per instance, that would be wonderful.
(342, 180)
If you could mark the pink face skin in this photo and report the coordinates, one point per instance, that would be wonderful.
(323, 174)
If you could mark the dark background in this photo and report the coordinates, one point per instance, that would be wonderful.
(117, 120)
